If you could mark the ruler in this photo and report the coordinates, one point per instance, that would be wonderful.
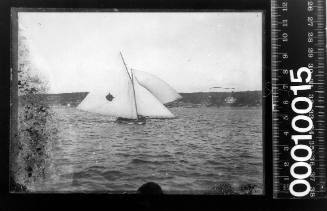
(298, 49)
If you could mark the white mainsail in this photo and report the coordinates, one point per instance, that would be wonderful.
(121, 101)
(159, 88)
(147, 104)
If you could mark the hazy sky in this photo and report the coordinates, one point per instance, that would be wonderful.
(190, 51)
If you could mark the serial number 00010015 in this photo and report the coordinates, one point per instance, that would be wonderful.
(301, 139)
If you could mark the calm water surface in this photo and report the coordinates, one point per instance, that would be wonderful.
(203, 147)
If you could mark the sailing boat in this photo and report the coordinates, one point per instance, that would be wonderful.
(132, 97)
(230, 99)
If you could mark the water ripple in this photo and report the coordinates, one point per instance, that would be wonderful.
(201, 148)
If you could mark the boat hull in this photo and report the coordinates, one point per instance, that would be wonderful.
(139, 121)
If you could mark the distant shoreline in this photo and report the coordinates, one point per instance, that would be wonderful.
(193, 99)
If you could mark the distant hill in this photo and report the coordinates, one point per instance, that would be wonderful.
(244, 98)
(71, 99)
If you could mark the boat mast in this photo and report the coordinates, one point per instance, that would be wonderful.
(131, 78)
(134, 92)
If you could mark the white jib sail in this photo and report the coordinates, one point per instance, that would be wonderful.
(115, 98)
(147, 104)
(159, 88)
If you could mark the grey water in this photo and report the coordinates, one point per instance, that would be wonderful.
(201, 148)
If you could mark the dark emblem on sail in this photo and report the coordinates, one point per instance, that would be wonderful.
(109, 97)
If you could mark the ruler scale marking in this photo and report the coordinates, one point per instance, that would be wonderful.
(298, 44)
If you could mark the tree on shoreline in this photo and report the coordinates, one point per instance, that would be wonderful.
(35, 131)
